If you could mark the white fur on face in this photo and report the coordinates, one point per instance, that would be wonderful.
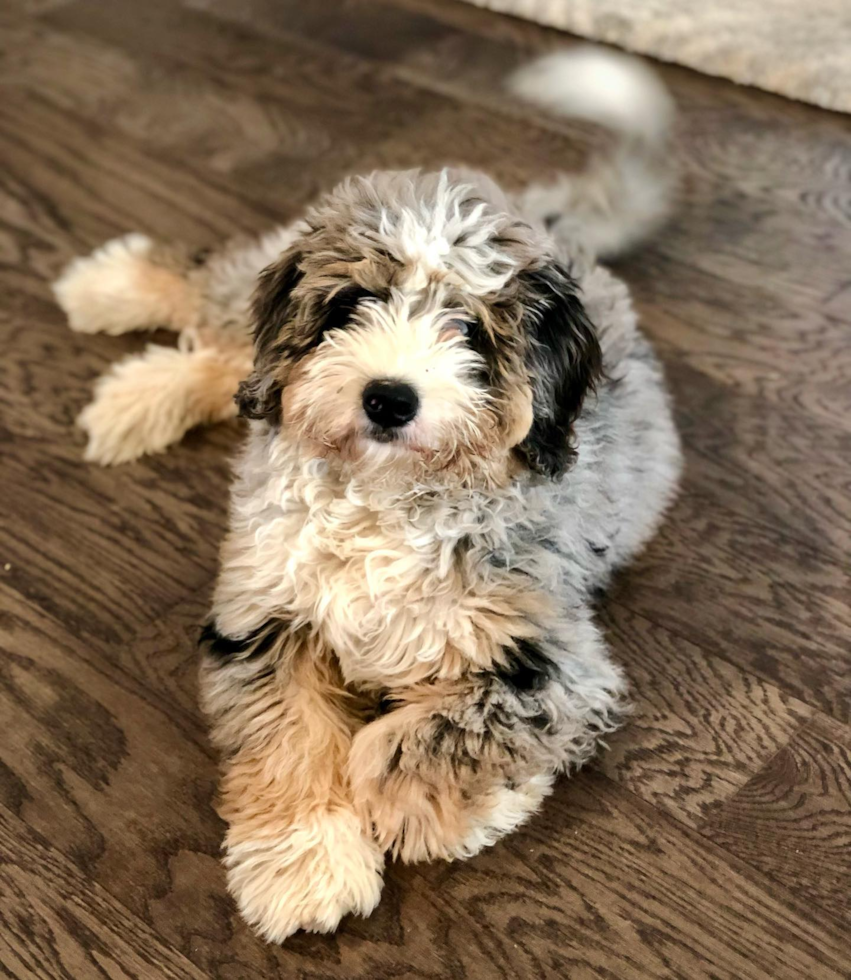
(391, 341)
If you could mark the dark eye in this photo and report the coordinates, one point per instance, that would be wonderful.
(458, 325)
(339, 308)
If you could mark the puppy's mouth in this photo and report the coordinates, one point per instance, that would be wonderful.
(402, 439)
(386, 436)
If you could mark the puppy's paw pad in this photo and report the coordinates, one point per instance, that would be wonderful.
(308, 877)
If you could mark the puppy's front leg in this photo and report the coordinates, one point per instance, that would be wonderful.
(452, 766)
(296, 853)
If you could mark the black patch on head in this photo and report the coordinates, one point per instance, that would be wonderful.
(259, 396)
(527, 668)
(334, 313)
(338, 309)
(564, 363)
(226, 649)
(479, 340)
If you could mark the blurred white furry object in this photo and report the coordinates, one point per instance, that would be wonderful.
(620, 198)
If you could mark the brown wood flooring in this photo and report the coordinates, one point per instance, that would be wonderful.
(714, 839)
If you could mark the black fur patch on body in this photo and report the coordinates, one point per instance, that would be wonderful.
(227, 649)
(504, 714)
(527, 668)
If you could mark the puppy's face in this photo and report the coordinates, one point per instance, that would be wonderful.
(416, 326)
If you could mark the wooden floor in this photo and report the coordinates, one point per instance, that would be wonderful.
(714, 838)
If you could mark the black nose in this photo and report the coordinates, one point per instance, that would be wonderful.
(390, 403)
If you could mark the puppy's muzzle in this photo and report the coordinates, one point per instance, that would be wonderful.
(390, 404)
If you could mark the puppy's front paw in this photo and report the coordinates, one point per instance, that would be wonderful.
(306, 877)
(413, 804)
(423, 803)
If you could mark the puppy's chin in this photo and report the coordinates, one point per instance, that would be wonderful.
(398, 448)
(365, 445)
(401, 460)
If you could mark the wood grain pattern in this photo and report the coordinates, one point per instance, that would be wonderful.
(141, 535)
(701, 726)
(314, 106)
(745, 591)
(712, 839)
(792, 820)
(620, 891)
(57, 923)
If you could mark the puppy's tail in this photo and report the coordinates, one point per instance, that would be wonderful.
(625, 196)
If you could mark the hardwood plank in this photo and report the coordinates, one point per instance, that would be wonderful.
(752, 338)
(183, 114)
(747, 592)
(701, 727)
(775, 464)
(68, 184)
(374, 32)
(358, 118)
(319, 117)
(792, 820)
(58, 923)
(601, 885)
(69, 524)
(163, 656)
(103, 550)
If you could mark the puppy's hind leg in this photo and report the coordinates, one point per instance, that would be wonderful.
(130, 283)
(148, 401)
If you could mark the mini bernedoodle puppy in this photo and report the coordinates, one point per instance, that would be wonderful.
(457, 433)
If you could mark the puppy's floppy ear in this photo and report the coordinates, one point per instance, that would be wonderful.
(564, 363)
(259, 396)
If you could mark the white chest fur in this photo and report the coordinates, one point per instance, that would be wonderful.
(386, 578)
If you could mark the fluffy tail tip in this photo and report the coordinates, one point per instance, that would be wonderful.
(614, 90)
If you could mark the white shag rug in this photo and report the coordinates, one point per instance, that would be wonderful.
(797, 48)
